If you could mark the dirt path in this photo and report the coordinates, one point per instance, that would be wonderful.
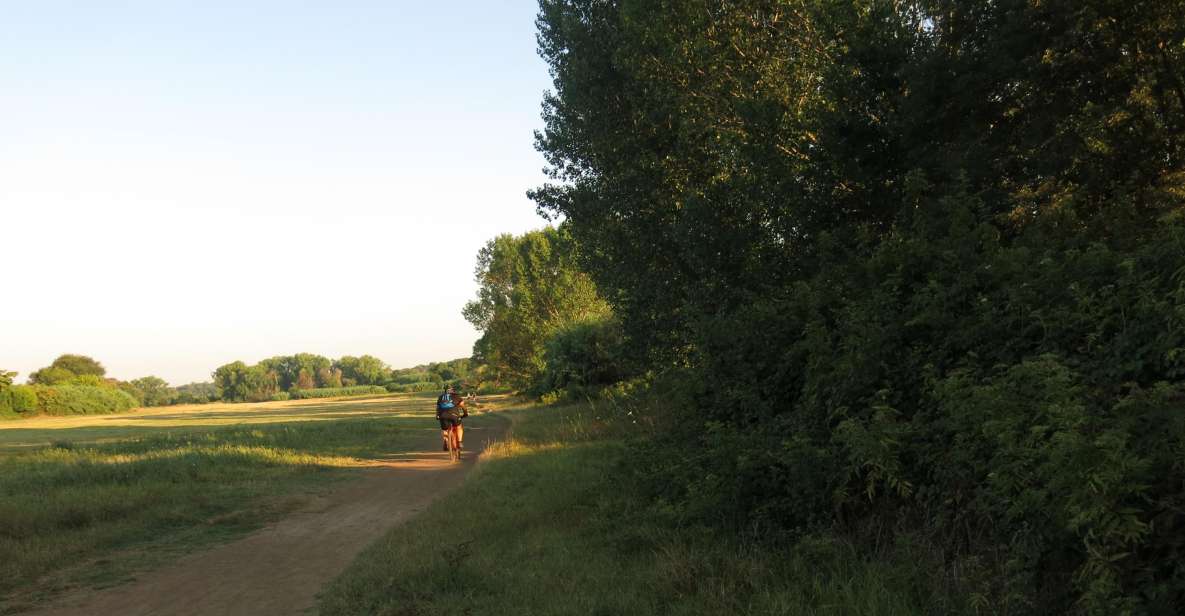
(281, 568)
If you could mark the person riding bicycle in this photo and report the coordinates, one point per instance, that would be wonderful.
(450, 410)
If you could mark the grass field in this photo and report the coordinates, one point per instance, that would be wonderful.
(89, 500)
(550, 525)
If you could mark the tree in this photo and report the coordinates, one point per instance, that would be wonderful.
(6, 378)
(883, 212)
(529, 286)
(232, 381)
(304, 380)
(66, 368)
(328, 376)
(51, 375)
(364, 370)
(79, 365)
(196, 393)
(237, 382)
(154, 391)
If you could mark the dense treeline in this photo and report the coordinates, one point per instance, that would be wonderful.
(431, 376)
(916, 269)
(293, 376)
(77, 384)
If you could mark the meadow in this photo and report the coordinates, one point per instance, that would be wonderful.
(90, 500)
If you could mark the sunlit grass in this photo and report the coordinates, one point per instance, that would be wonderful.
(38, 431)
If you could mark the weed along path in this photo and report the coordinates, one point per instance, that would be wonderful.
(280, 568)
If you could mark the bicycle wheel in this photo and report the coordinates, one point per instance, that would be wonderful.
(454, 447)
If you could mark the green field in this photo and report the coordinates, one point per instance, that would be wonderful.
(89, 500)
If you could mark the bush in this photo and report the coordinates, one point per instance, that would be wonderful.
(1022, 402)
(22, 399)
(582, 355)
(81, 400)
(280, 396)
(333, 392)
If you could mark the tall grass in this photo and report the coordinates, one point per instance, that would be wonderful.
(551, 524)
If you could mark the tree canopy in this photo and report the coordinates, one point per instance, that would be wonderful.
(67, 368)
(947, 240)
(529, 287)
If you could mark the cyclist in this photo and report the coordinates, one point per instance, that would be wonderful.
(450, 410)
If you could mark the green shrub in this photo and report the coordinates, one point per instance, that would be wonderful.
(581, 355)
(333, 392)
(23, 398)
(81, 400)
(280, 396)
(1022, 401)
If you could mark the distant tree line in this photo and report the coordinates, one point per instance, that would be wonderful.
(911, 270)
(282, 376)
(76, 384)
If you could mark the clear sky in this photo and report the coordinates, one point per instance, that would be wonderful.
(184, 184)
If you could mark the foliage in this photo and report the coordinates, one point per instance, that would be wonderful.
(22, 398)
(329, 377)
(50, 375)
(196, 393)
(302, 373)
(154, 391)
(16, 399)
(435, 374)
(584, 354)
(123, 386)
(528, 288)
(67, 368)
(297, 371)
(364, 370)
(80, 400)
(333, 392)
(238, 382)
(413, 387)
(918, 265)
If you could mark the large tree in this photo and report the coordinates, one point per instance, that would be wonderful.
(701, 149)
(238, 382)
(529, 287)
(927, 226)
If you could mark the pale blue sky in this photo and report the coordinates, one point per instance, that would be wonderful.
(184, 184)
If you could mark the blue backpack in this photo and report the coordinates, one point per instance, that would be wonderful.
(444, 402)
